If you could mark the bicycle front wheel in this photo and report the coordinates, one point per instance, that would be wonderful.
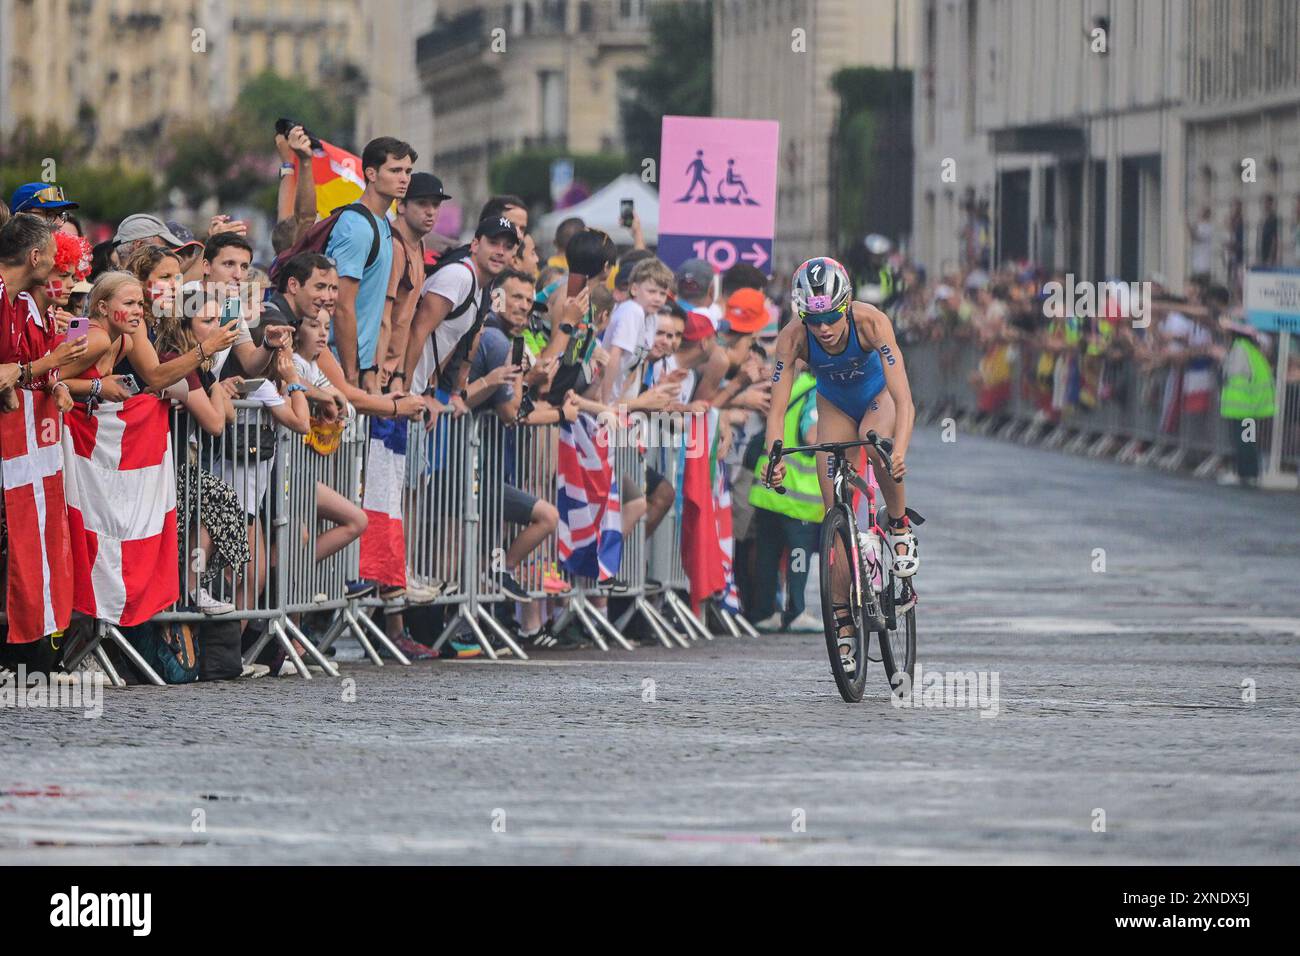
(840, 582)
(898, 647)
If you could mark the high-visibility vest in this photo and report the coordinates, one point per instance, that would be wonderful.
(803, 494)
(1250, 395)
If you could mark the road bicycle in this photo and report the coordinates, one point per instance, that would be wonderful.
(860, 562)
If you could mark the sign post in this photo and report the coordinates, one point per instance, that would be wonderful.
(1272, 301)
(717, 191)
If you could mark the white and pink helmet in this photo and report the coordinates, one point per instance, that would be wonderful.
(819, 286)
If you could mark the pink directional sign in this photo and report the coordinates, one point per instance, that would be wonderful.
(717, 190)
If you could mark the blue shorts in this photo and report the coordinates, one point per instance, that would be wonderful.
(854, 400)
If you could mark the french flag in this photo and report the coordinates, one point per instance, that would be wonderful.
(39, 593)
(383, 544)
(120, 486)
(591, 531)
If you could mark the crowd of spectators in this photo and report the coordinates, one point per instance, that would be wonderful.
(1141, 356)
(363, 313)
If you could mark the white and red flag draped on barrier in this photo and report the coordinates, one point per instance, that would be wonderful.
(722, 515)
(39, 593)
(121, 490)
(703, 558)
(383, 543)
(591, 521)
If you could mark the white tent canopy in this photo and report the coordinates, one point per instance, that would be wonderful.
(601, 210)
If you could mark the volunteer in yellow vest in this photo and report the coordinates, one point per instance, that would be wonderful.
(787, 525)
(1247, 398)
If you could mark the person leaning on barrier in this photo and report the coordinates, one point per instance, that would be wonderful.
(495, 382)
(158, 269)
(204, 501)
(28, 353)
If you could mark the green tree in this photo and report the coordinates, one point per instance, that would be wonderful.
(527, 174)
(678, 77)
(327, 112)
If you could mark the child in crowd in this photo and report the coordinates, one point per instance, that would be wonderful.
(310, 339)
(204, 501)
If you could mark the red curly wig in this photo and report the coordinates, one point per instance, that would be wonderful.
(72, 253)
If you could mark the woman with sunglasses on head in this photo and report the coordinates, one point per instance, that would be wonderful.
(861, 386)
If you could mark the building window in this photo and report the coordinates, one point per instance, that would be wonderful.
(550, 85)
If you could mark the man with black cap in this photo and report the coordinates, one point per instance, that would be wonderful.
(451, 310)
(42, 199)
(416, 215)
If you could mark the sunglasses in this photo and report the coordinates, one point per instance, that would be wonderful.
(824, 318)
(49, 194)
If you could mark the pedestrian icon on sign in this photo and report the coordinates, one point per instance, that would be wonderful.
(697, 169)
(736, 189)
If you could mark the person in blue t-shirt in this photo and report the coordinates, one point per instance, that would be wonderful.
(386, 164)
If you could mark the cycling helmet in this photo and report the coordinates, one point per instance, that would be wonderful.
(820, 286)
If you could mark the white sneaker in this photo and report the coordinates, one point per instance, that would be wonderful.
(770, 624)
(255, 670)
(1228, 479)
(807, 623)
(210, 605)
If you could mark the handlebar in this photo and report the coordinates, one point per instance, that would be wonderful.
(836, 449)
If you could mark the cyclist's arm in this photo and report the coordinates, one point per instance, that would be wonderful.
(788, 347)
(876, 328)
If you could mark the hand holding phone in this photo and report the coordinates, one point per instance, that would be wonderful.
(246, 386)
(129, 384)
(625, 213)
(78, 328)
(230, 312)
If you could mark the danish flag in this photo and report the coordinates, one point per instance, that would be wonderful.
(39, 594)
(121, 492)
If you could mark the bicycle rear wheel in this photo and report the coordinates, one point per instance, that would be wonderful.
(898, 647)
(839, 559)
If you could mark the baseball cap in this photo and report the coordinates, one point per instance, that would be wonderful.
(425, 186)
(494, 227)
(698, 327)
(141, 225)
(186, 237)
(693, 278)
(747, 311)
(31, 197)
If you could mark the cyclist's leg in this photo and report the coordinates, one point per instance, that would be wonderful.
(881, 418)
(833, 425)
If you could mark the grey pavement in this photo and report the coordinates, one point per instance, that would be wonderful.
(1118, 691)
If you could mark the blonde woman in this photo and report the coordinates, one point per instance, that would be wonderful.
(116, 310)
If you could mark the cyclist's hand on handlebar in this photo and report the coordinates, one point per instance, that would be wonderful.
(775, 475)
(897, 467)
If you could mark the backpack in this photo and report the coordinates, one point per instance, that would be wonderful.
(219, 650)
(167, 647)
(459, 255)
(317, 238)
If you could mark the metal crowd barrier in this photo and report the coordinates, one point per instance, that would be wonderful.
(1137, 414)
(455, 531)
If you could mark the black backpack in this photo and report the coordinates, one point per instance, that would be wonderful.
(459, 255)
